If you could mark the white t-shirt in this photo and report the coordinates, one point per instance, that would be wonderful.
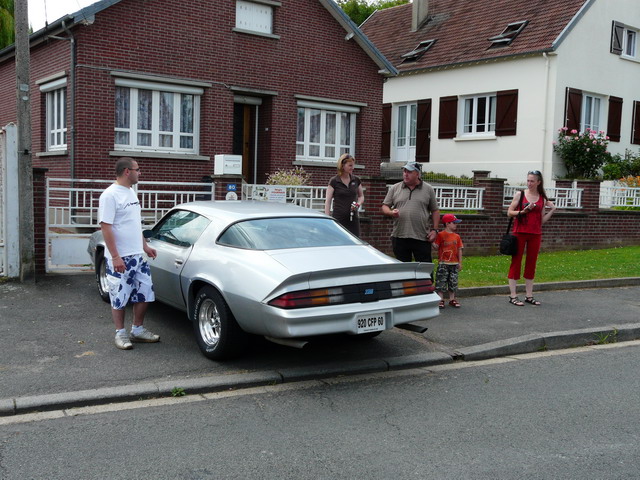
(119, 207)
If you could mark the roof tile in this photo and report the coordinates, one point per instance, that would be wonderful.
(463, 28)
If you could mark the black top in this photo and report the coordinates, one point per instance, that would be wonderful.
(343, 197)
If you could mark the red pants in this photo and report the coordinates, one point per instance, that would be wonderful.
(530, 241)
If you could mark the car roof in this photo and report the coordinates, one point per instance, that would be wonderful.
(234, 210)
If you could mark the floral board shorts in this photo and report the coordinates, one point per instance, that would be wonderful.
(132, 286)
(447, 278)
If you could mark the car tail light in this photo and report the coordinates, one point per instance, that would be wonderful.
(309, 298)
(352, 294)
(411, 287)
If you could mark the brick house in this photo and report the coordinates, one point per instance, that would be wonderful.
(486, 85)
(173, 84)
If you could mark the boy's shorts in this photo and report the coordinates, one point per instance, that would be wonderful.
(132, 286)
(447, 278)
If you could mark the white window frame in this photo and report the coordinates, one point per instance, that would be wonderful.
(55, 114)
(474, 128)
(630, 43)
(135, 86)
(592, 112)
(327, 149)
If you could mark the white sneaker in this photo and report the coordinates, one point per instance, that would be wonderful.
(123, 342)
(144, 336)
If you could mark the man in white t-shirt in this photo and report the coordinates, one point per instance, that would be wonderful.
(128, 273)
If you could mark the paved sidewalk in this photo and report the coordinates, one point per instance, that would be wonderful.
(58, 347)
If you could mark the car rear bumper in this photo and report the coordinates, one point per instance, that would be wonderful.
(306, 322)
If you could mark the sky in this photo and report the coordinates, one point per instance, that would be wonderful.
(52, 10)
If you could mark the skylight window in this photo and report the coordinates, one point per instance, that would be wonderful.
(417, 52)
(508, 35)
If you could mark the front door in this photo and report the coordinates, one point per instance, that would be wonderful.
(242, 136)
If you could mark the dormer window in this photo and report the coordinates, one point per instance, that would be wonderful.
(417, 52)
(508, 35)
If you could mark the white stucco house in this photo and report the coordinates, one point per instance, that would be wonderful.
(486, 85)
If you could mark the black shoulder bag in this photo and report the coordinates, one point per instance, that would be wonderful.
(509, 242)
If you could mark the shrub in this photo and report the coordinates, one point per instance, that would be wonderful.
(582, 153)
(294, 176)
(619, 167)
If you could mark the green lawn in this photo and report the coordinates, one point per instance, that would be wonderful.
(556, 266)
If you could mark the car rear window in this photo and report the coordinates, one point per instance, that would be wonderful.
(288, 232)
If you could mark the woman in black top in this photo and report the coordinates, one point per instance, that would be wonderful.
(346, 192)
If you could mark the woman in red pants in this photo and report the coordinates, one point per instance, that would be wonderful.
(534, 210)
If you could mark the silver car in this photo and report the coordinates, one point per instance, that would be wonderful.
(277, 270)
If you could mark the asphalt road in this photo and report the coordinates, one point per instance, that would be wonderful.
(570, 415)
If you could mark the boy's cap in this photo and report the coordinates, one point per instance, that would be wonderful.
(449, 218)
(412, 166)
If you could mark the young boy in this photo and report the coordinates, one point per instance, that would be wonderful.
(449, 245)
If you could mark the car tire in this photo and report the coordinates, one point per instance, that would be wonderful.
(101, 276)
(218, 334)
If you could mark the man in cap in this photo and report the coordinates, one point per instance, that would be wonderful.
(412, 203)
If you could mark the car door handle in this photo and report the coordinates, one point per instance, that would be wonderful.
(178, 262)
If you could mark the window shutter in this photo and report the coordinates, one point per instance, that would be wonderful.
(614, 119)
(447, 120)
(506, 113)
(635, 125)
(423, 131)
(573, 109)
(617, 33)
(385, 147)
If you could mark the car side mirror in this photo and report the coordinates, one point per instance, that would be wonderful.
(147, 234)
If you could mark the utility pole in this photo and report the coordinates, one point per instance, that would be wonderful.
(25, 170)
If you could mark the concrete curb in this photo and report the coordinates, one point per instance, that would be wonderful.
(192, 386)
(513, 346)
(552, 341)
(540, 287)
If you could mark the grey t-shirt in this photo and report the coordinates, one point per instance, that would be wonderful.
(415, 206)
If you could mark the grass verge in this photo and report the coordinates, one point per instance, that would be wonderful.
(565, 266)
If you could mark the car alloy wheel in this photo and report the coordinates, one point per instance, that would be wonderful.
(217, 332)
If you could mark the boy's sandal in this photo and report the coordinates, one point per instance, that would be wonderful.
(441, 304)
(531, 300)
(516, 301)
(454, 303)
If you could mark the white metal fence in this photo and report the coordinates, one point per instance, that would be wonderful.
(449, 197)
(567, 198)
(72, 213)
(619, 196)
(459, 198)
(302, 195)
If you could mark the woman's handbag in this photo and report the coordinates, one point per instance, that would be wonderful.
(509, 242)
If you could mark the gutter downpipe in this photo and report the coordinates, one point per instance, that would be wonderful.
(72, 103)
(547, 163)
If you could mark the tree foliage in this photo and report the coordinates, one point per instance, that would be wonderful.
(360, 10)
(7, 29)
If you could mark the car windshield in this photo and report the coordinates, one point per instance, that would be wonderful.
(288, 232)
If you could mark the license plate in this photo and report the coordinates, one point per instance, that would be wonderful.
(371, 322)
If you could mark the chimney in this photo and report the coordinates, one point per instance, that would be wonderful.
(419, 14)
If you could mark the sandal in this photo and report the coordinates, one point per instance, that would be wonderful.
(516, 301)
(441, 304)
(454, 303)
(531, 300)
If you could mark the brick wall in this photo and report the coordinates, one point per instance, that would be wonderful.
(586, 228)
(39, 219)
(196, 41)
